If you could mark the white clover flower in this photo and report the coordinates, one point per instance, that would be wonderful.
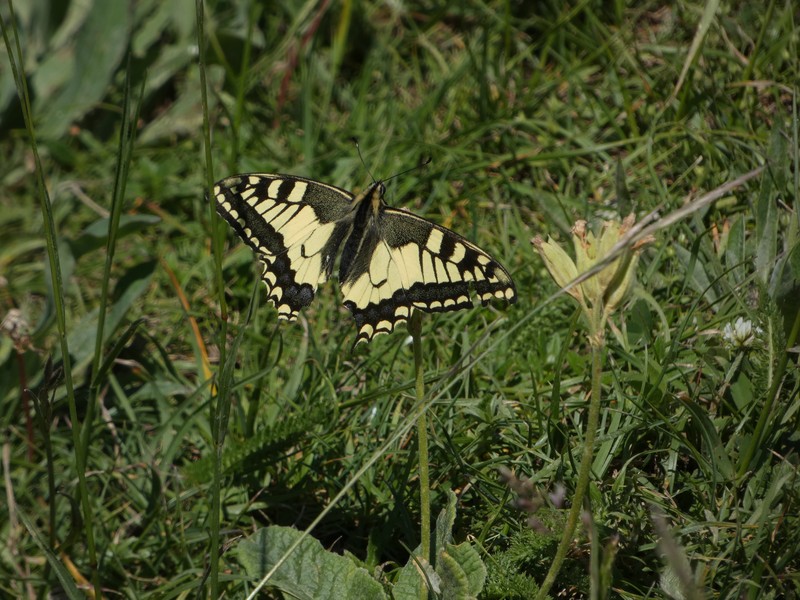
(741, 334)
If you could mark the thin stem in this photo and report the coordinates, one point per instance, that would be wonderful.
(415, 326)
(217, 427)
(597, 346)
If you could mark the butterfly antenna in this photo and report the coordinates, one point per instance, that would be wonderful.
(358, 149)
(423, 163)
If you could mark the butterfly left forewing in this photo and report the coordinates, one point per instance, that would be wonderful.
(295, 226)
(406, 262)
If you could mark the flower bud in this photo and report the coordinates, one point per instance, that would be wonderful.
(607, 288)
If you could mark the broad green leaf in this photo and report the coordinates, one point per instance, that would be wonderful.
(94, 236)
(462, 571)
(96, 51)
(455, 583)
(310, 571)
(185, 115)
(410, 582)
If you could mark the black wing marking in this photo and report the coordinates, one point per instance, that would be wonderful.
(295, 226)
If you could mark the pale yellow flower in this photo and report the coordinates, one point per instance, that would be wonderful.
(600, 294)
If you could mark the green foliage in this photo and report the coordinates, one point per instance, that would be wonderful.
(515, 570)
(304, 569)
(457, 570)
(265, 448)
(310, 571)
(534, 116)
(74, 52)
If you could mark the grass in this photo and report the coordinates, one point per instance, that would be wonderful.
(126, 431)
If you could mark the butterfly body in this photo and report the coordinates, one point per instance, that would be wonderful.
(392, 261)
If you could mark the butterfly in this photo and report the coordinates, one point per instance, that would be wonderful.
(392, 261)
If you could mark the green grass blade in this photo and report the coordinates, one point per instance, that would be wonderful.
(127, 137)
(51, 239)
(65, 579)
(217, 238)
(709, 10)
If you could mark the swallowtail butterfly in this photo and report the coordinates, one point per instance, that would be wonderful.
(392, 261)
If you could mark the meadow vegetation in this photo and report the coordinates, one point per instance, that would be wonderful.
(162, 428)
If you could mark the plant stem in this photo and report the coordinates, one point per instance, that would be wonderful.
(415, 326)
(597, 346)
(216, 403)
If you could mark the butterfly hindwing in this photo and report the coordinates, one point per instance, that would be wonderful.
(406, 262)
(294, 225)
